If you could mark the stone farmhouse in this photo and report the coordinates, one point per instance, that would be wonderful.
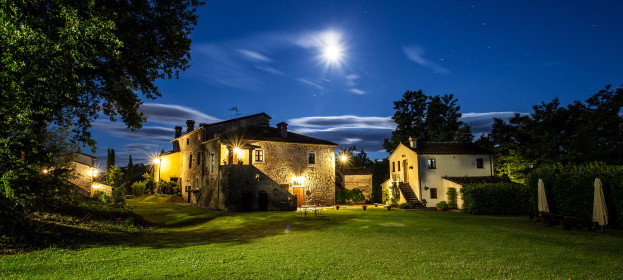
(244, 164)
(425, 170)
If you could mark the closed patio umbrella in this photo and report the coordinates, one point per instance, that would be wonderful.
(542, 198)
(600, 212)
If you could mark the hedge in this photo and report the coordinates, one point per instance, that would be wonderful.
(496, 198)
(570, 189)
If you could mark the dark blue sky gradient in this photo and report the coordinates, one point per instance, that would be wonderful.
(496, 57)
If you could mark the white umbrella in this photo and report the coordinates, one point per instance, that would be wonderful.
(542, 198)
(600, 212)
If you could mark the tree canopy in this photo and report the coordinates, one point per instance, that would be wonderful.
(427, 118)
(580, 132)
(64, 63)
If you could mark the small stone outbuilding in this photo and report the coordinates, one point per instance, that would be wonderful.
(359, 178)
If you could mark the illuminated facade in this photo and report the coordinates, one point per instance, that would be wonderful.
(422, 167)
(245, 164)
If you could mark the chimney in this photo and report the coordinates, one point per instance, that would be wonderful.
(413, 142)
(190, 126)
(178, 131)
(283, 129)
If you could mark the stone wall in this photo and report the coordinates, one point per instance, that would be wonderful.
(285, 161)
(362, 182)
(247, 185)
(213, 190)
(192, 163)
(80, 177)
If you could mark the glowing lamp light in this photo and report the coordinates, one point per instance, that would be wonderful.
(298, 181)
(343, 158)
(97, 186)
(45, 171)
(94, 172)
(237, 150)
(156, 160)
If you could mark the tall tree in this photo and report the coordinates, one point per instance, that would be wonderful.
(427, 118)
(129, 172)
(65, 62)
(580, 132)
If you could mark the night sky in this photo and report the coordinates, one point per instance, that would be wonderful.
(331, 69)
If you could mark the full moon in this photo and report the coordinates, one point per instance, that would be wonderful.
(331, 48)
(332, 53)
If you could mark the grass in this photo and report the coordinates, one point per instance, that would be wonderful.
(349, 243)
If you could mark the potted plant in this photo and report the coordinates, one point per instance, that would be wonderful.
(337, 207)
(441, 206)
(389, 207)
(423, 201)
(364, 207)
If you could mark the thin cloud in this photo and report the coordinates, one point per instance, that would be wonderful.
(346, 121)
(350, 80)
(357, 91)
(271, 70)
(416, 54)
(310, 83)
(254, 56)
(174, 114)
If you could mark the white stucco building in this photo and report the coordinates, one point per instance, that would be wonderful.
(423, 166)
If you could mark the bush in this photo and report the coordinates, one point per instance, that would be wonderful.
(394, 204)
(404, 206)
(496, 198)
(442, 205)
(118, 197)
(343, 195)
(138, 188)
(570, 189)
(169, 188)
(452, 198)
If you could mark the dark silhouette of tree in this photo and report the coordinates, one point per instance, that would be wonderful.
(427, 118)
(580, 132)
(129, 172)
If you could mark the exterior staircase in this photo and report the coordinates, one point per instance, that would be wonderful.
(409, 195)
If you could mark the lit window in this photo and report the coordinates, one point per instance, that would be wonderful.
(480, 163)
(259, 156)
(312, 158)
(433, 192)
(431, 163)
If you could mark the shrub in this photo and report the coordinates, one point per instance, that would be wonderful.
(169, 188)
(138, 188)
(570, 189)
(340, 196)
(404, 206)
(496, 198)
(357, 195)
(441, 204)
(343, 195)
(395, 192)
(118, 197)
(394, 204)
(452, 197)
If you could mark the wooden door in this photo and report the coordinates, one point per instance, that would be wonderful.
(298, 192)
(405, 169)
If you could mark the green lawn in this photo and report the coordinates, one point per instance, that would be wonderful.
(349, 243)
